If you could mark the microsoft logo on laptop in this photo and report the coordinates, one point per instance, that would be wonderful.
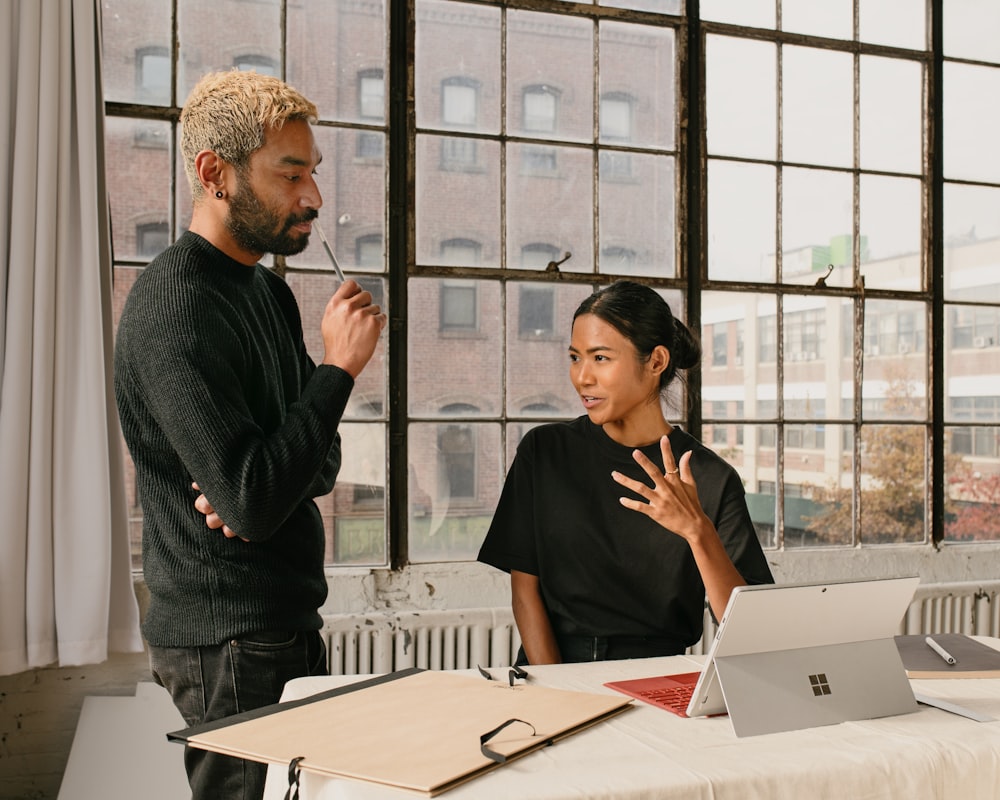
(820, 685)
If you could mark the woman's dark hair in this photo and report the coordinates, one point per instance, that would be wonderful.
(643, 317)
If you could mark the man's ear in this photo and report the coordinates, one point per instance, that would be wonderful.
(211, 171)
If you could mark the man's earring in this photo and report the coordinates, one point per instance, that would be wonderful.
(220, 194)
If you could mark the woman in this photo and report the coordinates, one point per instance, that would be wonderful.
(615, 526)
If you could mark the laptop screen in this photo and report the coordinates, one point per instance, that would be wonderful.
(780, 617)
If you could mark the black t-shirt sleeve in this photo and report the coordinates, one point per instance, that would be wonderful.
(510, 541)
(738, 535)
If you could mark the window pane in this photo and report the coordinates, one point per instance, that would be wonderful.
(139, 148)
(345, 216)
(370, 252)
(972, 243)
(972, 347)
(891, 114)
(817, 106)
(539, 384)
(259, 23)
(457, 199)
(637, 214)
(457, 41)
(972, 507)
(740, 84)
(894, 484)
(637, 77)
(818, 368)
(656, 6)
(335, 42)
(551, 200)
(354, 513)
(750, 450)
(831, 18)
(741, 221)
(891, 241)
(894, 384)
(973, 126)
(550, 96)
(124, 278)
(455, 331)
(153, 75)
(755, 13)
(749, 374)
(818, 358)
(313, 291)
(901, 23)
(816, 223)
(970, 28)
(136, 77)
(819, 487)
(456, 472)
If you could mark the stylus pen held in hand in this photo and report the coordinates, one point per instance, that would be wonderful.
(329, 250)
(948, 657)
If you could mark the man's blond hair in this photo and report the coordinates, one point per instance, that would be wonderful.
(230, 112)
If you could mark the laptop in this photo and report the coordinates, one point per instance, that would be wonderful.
(796, 656)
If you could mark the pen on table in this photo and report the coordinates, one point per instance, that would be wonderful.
(329, 250)
(948, 657)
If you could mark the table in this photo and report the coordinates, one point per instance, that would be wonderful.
(649, 753)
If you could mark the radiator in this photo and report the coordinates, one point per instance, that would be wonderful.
(383, 641)
(971, 608)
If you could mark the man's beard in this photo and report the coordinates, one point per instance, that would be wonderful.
(258, 229)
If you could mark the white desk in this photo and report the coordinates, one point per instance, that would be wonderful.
(649, 753)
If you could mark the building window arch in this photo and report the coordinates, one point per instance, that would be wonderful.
(256, 62)
(152, 75)
(539, 108)
(457, 452)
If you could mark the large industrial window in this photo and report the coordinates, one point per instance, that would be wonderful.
(813, 186)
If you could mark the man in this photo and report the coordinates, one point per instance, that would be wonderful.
(232, 428)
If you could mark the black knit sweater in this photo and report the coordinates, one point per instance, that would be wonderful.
(214, 386)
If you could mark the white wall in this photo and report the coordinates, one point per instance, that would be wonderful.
(471, 585)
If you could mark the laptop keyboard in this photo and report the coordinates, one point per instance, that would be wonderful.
(674, 698)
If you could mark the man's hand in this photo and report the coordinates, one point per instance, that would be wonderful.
(213, 520)
(351, 328)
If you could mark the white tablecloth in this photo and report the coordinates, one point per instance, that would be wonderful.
(649, 753)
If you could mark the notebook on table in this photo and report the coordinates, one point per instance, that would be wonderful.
(795, 656)
(969, 658)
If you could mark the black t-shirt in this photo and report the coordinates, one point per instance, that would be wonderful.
(605, 570)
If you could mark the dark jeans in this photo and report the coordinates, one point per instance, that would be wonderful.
(208, 683)
(610, 648)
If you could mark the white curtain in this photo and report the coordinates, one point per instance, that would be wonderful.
(66, 592)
